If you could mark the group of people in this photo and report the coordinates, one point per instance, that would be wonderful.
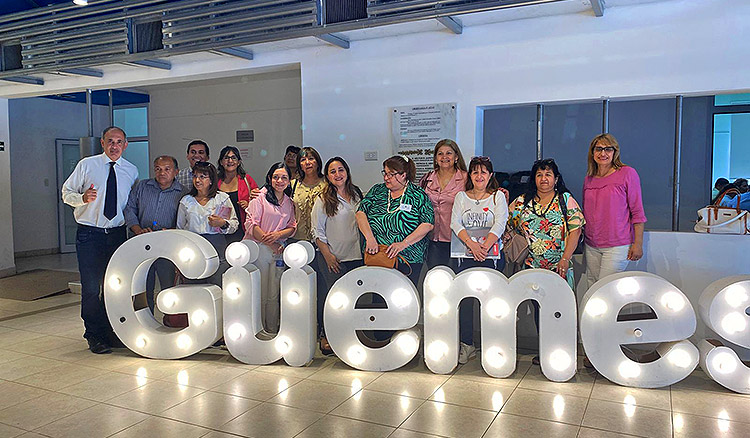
(454, 215)
(726, 194)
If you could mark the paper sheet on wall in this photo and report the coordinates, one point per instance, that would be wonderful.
(417, 128)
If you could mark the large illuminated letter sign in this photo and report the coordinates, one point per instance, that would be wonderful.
(295, 341)
(723, 307)
(602, 334)
(499, 299)
(126, 276)
(342, 319)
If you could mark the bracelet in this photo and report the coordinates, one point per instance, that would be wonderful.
(563, 258)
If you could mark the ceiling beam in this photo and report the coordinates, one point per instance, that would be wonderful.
(333, 39)
(236, 51)
(83, 71)
(453, 24)
(153, 63)
(31, 80)
(598, 7)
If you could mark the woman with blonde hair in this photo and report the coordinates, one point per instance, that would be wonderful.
(613, 207)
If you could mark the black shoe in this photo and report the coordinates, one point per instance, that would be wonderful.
(98, 347)
(114, 341)
(535, 360)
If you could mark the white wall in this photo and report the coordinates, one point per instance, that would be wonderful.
(35, 123)
(268, 103)
(7, 263)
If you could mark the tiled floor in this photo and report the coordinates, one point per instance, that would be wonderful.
(50, 385)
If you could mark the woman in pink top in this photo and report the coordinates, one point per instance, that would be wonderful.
(613, 210)
(270, 221)
(442, 185)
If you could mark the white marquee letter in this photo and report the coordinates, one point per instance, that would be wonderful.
(499, 299)
(126, 276)
(722, 306)
(342, 319)
(295, 341)
(602, 334)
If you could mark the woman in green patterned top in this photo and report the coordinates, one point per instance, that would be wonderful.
(399, 214)
(552, 231)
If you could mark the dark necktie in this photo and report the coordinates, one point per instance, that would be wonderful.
(110, 198)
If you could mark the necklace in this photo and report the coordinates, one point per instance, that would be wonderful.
(480, 197)
(544, 213)
(388, 208)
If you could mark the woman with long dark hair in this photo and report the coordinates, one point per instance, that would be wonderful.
(478, 219)
(270, 221)
(235, 182)
(334, 228)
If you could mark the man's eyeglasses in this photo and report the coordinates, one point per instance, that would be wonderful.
(607, 149)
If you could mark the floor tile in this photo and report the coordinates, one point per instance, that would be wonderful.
(272, 421)
(15, 336)
(99, 421)
(42, 410)
(512, 426)
(580, 385)
(688, 426)
(449, 420)
(14, 393)
(473, 394)
(546, 406)
(105, 386)
(657, 398)
(10, 356)
(204, 375)
(408, 384)
(210, 409)
(69, 353)
(629, 419)
(10, 431)
(315, 396)
(337, 427)
(27, 366)
(711, 404)
(44, 343)
(117, 359)
(342, 374)
(155, 397)
(378, 407)
(404, 433)
(61, 376)
(699, 380)
(586, 432)
(156, 368)
(257, 385)
(161, 428)
(280, 367)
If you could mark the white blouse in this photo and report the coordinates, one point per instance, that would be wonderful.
(193, 216)
(478, 219)
(340, 232)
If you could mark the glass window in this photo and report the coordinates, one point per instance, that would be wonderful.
(732, 99)
(137, 153)
(133, 120)
(731, 157)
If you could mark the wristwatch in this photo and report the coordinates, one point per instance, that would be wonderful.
(225, 226)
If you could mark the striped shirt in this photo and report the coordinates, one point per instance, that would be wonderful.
(148, 204)
(185, 177)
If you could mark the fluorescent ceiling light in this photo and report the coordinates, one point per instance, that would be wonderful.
(81, 2)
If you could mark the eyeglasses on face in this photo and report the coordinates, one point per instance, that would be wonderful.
(607, 149)
(231, 158)
(389, 175)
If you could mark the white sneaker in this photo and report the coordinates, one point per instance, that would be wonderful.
(466, 352)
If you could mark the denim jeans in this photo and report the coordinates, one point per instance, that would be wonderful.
(466, 307)
(94, 248)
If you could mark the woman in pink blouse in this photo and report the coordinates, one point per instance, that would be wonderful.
(442, 185)
(613, 209)
(270, 221)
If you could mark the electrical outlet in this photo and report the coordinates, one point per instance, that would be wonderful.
(371, 155)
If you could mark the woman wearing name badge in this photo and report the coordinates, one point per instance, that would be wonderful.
(235, 182)
(334, 228)
(551, 220)
(478, 220)
(395, 218)
(442, 184)
(614, 211)
(270, 221)
(208, 212)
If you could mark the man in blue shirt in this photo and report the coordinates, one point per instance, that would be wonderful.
(152, 205)
(732, 202)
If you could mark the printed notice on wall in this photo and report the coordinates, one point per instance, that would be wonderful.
(416, 130)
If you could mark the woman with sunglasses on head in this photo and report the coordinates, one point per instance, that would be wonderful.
(334, 228)
(396, 216)
(442, 184)
(306, 189)
(208, 212)
(235, 182)
(270, 221)
(478, 219)
(614, 211)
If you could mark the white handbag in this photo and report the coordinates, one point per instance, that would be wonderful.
(715, 219)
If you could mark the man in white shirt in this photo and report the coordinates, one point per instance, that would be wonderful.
(197, 150)
(98, 191)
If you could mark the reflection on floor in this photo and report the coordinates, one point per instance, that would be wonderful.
(50, 385)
